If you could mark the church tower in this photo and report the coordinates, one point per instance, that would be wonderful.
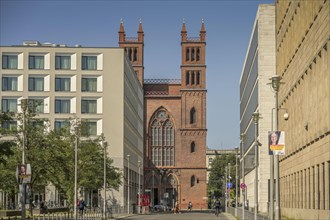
(134, 48)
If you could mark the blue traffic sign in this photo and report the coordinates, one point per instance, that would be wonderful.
(229, 185)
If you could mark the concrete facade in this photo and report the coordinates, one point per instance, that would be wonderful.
(303, 62)
(257, 96)
(118, 96)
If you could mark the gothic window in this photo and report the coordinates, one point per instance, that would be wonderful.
(198, 78)
(197, 54)
(162, 140)
(193, 78)
(192, 54)
(187, 54)
(192, 181)
(130, 54)
(192, 147)
(192, 116)
(187, 78)
(135, 54)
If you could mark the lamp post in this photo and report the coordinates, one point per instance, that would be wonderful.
(236, 181)
(75, 172)
(128, 185)
(226, 189)
(276, 81)
(255, 116)
(105, 144)
(24, 108)
(153, 189)
(229, 181)
(243, 174)
(139, 191)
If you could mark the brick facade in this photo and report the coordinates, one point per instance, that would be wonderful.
(175, 172)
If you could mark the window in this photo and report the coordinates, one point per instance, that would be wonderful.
(135, 54)
(36, 83)
(36, 62)
(9, 83)
(198, 78)
(59, 125)
(193, 78)
(192, 54)
(9, 105)
(62, 84)
(9, 62)
(197, 54)
(89, 62)
(192, 116)
(192, 147)
(187, 78)
(10, 125)
(62, 106)
(88, 106)
(187, 54)
(162, 140)
(62, 62)
(89, 128)
(89, 85)
(192, 181)
(37, 105)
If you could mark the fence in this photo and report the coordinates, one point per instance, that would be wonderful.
(248, 215)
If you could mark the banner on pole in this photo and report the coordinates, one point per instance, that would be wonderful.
(276, 142)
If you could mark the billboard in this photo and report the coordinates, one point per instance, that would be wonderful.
(276, 142)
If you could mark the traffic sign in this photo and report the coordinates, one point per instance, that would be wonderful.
(229, 185)
(243, 185)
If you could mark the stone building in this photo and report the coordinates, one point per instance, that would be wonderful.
(257, 96)
(303, 63)
(174, 124)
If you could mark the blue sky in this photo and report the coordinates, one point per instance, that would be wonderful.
(96, 23)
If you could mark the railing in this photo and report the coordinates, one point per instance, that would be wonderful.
(248, 215)
(162, 81)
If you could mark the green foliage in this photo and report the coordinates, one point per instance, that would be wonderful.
(216, 184)
(52, 155)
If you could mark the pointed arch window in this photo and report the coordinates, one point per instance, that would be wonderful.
(162, 140)
(192, 181)
(192, 54)
(192, 147)
(198, 78)
(193, 78)
(192, 116)
(187, 54)
(187, 78)
(135, 54)
(198, 54)
(130, 54)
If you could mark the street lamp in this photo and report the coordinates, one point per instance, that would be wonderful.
(226, 209)
(24, 106)
(242, 137)
(139, 191)
(275, 82)
(236, 182)
(256, 117)
(105, 144)
(75, 171)
(153, 189)
(128, 185)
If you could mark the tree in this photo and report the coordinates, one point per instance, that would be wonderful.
(216, 182)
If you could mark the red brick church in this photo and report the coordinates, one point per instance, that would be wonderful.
(175, 124)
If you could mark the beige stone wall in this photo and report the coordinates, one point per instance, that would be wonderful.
(303, 62)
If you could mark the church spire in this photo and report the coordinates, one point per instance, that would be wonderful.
(140, 32)
(183, 31)
(121, 31)
(202, 32)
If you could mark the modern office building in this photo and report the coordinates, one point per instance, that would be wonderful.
(175, 124)
(97, 85)
(303, 63)
(257, 96)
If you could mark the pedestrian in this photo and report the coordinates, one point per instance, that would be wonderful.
(189, 206)
(82, 205)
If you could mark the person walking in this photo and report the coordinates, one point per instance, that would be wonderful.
(82, 205)
(217, 205)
